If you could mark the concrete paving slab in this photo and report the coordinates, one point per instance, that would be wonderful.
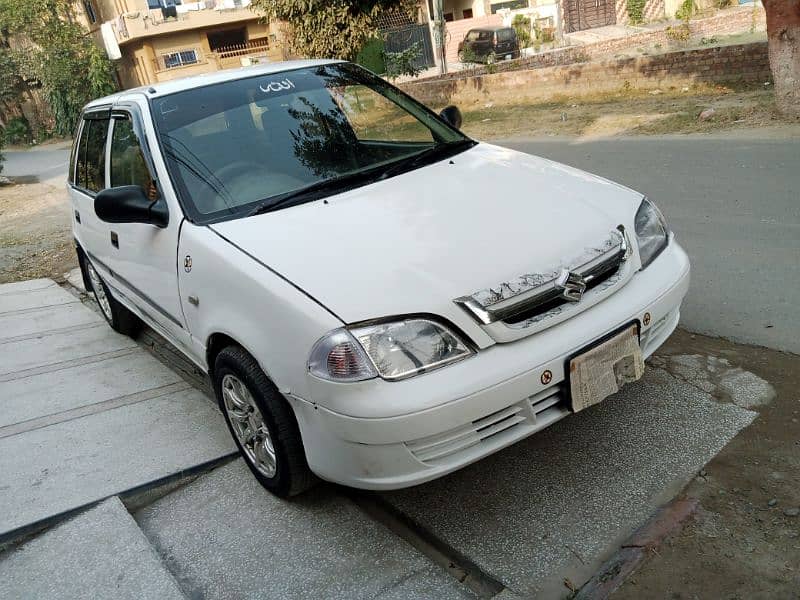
(101, 553)
(52, 470)
(26, 286)
(223, 536)
(54, 392)
(50, 295)
(556, 505)
(17, 325)
(50, 351)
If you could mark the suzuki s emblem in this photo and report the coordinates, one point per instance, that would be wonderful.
(571, 285)
(187, 263)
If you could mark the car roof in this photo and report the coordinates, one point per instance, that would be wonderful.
(197, 81)
(491, 28)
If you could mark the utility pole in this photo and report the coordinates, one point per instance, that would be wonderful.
(439, 35)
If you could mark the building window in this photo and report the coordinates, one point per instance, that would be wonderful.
(512, 5)
(448, 17)
(92, 16)
(179, 59)
(162, 3)
(467, 13)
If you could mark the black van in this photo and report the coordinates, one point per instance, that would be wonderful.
(489, 44)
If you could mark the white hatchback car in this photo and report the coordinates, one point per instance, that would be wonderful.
(378, 299)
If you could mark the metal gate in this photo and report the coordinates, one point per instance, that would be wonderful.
(398, 39)
(586, 14)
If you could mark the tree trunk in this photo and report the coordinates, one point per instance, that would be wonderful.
(783, 31)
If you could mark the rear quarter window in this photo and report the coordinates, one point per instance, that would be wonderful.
(505, 35)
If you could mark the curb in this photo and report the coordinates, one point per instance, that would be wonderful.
(667, 520)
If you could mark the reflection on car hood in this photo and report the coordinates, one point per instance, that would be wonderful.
(413, 243)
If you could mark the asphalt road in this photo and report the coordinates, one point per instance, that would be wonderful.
(44, 162)
(734, 205)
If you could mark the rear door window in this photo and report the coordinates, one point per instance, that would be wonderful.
(505, 35)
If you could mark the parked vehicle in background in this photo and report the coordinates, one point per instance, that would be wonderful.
(489, 44)
(378, 299)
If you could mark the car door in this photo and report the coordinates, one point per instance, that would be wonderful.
(142, 258)
(87, 176)
(506, 43)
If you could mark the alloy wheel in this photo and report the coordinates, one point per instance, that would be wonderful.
(248, 425)
(99, 291)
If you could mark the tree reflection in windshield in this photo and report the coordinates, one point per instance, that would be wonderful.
(322, 139)
(235, 145)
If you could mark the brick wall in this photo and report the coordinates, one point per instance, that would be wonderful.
(726, 22)
(653, 9)
(726, 64)
(456, 30)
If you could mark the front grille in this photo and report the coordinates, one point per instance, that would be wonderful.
(494, 430)
(594, 277)
(528, 296)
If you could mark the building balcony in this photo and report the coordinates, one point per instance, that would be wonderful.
(146, 22)
(192, 61)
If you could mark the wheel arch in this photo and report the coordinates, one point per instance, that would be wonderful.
(82, 264)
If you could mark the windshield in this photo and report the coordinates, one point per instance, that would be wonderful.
(250, 145)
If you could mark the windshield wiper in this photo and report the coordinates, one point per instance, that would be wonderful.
(350, 180)
(415, 160)
(309, 192)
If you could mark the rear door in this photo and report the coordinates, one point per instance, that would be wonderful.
(87, 177)
(142, 258)
(506, 43)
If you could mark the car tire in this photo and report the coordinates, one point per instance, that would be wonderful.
(261, 423)
(120, 318)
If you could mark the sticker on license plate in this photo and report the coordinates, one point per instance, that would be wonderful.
(604, 369)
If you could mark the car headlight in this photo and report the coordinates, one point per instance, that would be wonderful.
(652, 232)
(393, 350)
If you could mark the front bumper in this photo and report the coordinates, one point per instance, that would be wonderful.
(480, 405)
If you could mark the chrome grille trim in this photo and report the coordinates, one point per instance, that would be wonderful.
(528, 291)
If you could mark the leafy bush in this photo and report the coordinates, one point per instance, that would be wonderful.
(686, 10)
(2, 158)
(468, 55)
(522, 25)
(371, 56)
(636, 11)
(402, 63)
(330, 29)
(17, 131)
(679, 33)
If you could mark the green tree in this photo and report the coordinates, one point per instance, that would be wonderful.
(52, 48)
(329, 28)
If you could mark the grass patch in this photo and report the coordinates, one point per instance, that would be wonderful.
(628, 112)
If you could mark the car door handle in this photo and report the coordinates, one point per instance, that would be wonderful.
(77, 217)
(114, 239)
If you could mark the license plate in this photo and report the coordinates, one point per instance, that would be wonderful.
(602, 370)
(508, 57)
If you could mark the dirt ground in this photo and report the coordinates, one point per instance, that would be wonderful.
(632, 112)
(35, 238)
(744, 541)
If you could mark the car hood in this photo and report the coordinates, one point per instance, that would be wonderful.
(414, 242)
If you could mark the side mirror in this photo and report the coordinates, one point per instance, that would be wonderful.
(452, 116)
(130, 204)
